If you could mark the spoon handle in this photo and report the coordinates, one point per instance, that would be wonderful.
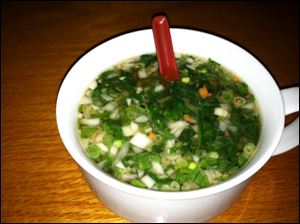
(164, 48)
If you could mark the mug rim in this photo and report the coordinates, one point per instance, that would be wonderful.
(90, 168)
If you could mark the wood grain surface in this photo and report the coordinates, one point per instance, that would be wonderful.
(40, 182)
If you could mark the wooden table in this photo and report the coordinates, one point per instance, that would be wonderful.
(40, 182)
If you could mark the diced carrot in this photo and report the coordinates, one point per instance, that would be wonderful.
(235, 78)
(187, 117)
(203, 92)
(151, 135)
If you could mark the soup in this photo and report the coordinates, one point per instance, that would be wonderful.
(169, 136)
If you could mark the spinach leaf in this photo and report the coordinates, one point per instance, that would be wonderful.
(147, 59)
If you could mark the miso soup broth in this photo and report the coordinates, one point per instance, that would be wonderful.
(169, 136)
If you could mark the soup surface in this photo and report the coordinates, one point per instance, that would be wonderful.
(168, 136)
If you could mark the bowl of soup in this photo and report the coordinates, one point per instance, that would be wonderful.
(159, 151)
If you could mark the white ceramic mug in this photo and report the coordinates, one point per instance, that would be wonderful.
(143, 205)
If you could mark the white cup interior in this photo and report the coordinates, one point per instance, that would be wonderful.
(233, 57)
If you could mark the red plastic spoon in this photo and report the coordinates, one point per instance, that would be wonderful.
(164, 48)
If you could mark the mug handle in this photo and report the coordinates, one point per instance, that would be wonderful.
(290, 135)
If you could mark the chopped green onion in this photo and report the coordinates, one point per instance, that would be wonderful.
(113, 150)
(192, 165)
(202, 180)
(87, 131)
(142, 74)
(144, 165)
(165, 187)
(242, 160)
(118, 143)
(93, 152)
(213, 155)
(174, 186)
(185, 80)
(187, 186)
(181, 162)
(108, 140)
(120, 165)
(219, 111)
(148, 181)
(157, 167)
(90, 121)
(248, 150)
(103, 147)
(140, 140)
